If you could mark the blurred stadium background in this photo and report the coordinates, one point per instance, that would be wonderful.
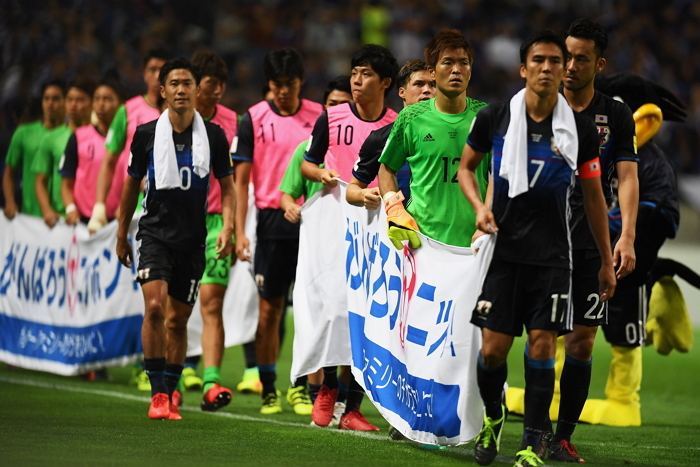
(45, 39)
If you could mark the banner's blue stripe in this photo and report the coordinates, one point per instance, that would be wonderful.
(71, 345)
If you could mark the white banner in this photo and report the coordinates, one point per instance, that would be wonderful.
(413, 348)
(67, 305)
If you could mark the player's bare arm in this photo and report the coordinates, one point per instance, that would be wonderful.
(67, 185)
(42, 195)
(387, 180)
(313, 172)
(292, 211)
(466, 176)
(488, 200)
(241, 182)
(358, 194)
(628, 199)
(104, 184)
(130, 196)
(8, 190)
(224, 242)
(596, 211)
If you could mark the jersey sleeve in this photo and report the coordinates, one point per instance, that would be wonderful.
(367, 166)
(116, 136)
(69, 161)
(588, 161)
(219, 150)
(481, 134)
(625, 143)
(292, 182)
(394, 153)
(244, 141)
(14, 152)
(41, 164)
(319, 141)
(138, 159)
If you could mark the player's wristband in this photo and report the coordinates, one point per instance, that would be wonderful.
(71, 208)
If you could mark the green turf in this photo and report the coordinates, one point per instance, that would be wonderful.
(52, 420)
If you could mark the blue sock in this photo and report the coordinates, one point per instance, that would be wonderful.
(268, 375)
(155, 369)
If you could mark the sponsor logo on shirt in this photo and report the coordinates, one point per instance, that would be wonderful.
(601, 119)
(307, 125)
(604, 134)
(428, 137)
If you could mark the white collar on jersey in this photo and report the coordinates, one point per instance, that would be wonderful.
(514, 158)
(167, 174)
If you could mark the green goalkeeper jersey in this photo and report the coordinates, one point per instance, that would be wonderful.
(48, 160)
(432, 143)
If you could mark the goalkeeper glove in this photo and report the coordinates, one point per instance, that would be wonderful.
(402, 226)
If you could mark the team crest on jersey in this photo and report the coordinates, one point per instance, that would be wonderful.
(555, 149)
(484, 307)
(144, 273)
(604, 134)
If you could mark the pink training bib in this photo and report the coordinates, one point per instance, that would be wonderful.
(228, 121)
(346, 134)
(138, 112)
(91, 151)
(276, 138)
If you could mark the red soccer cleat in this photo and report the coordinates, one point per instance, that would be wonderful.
(160, 407)
(176, 398)
(174, 413)
(354, 420)
(216, 398)
(322, 413)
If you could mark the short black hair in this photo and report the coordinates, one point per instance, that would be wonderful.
(59, 83)
(285, 62)
(111, 78)
(180, 63)
(83, 83)
(339, 83)
(408, 69)
(210, 64)
(584, 28)
(160, 53)
(543, 36)
(380, 59)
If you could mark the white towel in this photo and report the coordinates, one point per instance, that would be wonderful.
(514, 158)
(167, 173)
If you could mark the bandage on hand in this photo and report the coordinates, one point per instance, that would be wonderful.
(98, 218)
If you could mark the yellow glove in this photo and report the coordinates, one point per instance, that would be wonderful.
(402, 226)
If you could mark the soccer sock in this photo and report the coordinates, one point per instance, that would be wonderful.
(490, 382)
(355, 395)
(192, 362)
(574, 383)
(342, 392)
(300, 381)
(313, 391)
(155, 369)
(251, 360)
(268, 375)
(173, 373)
(538, 398)
(330, 377)
(212, 374)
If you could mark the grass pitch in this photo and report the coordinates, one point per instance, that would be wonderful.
(49, 420)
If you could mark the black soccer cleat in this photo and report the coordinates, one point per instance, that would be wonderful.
(564, 451)
(489, 439)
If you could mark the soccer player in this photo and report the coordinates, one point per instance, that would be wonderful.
(53, 146)
(23, 149)
(586, 43)
(175, 152)
(415, 85)
(135, 111)
(214, 74)
(295, 187)
(267, 135)
(84, 152)
(338, 135)
(430, 136)
(538, 142)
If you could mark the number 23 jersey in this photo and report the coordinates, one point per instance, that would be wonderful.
(176, 217)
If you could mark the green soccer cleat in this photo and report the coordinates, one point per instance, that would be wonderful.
(251, 382)
(140, 379)
(298, 398)
(271, 404)
(488, 440)
(528, 458)
(190, 380)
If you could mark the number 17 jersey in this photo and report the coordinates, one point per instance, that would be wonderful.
(432, 143)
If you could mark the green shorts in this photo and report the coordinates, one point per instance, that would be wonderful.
(216, 271)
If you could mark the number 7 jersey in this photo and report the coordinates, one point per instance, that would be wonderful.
(432, 143)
